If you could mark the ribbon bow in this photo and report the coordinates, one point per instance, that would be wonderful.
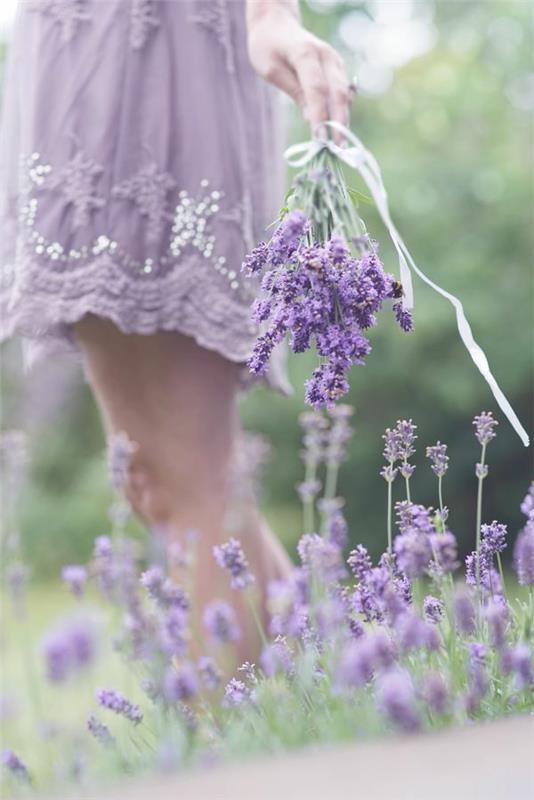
(360, 159)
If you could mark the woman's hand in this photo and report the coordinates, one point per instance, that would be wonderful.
(299, 63)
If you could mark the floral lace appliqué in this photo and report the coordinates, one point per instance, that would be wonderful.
(148, 189)
(66, 13)
(213, 15)
(189, 221)
(76, 182)
(143, 22)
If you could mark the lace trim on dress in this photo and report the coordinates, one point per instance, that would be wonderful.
(213, 15)
(66, 13)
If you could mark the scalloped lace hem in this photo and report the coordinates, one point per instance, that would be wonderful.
(43, 308)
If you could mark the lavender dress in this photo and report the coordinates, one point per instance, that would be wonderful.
(140, 158)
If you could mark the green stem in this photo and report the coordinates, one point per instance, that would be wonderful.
(390, 534)
(408, 497)
(440, 495)
(479, 513)
(256, 616)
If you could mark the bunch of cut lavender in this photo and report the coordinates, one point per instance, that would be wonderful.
(323, 283)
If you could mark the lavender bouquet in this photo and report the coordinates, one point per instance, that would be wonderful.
(323, 283)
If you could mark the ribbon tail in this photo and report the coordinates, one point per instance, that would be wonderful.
(474, 350)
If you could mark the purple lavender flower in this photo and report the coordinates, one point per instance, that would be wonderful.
(433, 608)
(414, 632)
(527, 506)
(230, 556)
(493, 537)
(75, 577)
(355, 667)
(256, 260)
(339, 434)
(220, 620)
(180, 683)
(276, 658)
(496, 614)
(15, 766)
(319, 294)
(209, 672)
(362, 658)
(174, 635)
(484, 427)
(336, 528)
(68, 647)
(436, 693)
(438, 458)
(413, 552)
(116, 702)
(524, 554)
(236, 693)
(444, 551)
(320, 556)
(120, 451)
(396, 699)
(464, 613)
(520, 664)
(478, 676)
(404, 317)
(359, 562)
(99, 730)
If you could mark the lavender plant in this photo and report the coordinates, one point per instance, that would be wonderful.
(352, 648)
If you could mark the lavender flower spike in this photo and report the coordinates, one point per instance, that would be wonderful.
(396, 699)
(13, 764)
(439, 460)
(75, 577)
(524, 555)
(120, 451)
(484, 427)
(99, 730)
(230, 556)
(116, 702)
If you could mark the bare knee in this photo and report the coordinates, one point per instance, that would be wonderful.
(187, 492)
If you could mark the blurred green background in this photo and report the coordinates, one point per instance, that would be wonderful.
(445, 103)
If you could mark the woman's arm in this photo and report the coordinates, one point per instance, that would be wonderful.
(292, 58)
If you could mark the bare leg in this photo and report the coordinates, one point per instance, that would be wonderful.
(177, 401)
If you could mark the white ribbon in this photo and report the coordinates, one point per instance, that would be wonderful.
(360, 159)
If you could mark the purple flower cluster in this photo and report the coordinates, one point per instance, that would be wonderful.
(15, 766)
(439, 459)
(68, 647)
(524, 546)
(116, 702)
(220, 621)
(485, 427)
(230, 556)
(75, 577)
(318, 293)
(399, 446)
(99, 730)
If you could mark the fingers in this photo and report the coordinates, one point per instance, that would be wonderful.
(324, 87)
(339, 94)
(314, 88)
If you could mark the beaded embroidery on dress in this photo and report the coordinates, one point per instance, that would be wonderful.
(137, 174)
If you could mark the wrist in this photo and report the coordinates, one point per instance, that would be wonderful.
(258, 10)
